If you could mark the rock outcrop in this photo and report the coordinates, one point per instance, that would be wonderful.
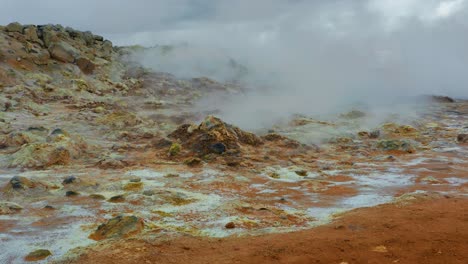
(214, 136)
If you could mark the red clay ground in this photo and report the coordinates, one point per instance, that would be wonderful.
(430, 230)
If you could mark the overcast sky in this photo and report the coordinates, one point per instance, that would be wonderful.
(138, 20)
(310, 53)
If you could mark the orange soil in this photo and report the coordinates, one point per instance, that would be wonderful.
(431, 230)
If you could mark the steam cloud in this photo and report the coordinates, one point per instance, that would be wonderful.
(308, 57)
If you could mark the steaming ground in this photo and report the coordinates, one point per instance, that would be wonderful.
(320, 58)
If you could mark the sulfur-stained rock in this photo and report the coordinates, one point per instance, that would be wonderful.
(9, 208)
(97, 196)
(214, 136)
(14, 139)
(399, 130)
(59, 151)
(401, 145)
(133, 186)
(118, 227)
(37, 255)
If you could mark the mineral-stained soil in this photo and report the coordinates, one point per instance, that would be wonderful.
(428, 230)
(102, 160)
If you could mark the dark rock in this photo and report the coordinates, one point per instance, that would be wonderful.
(162, 143)
(218, 148)
(98, 38)
(37, 128)
(117, 199)
(58, 131)
(117, 227)
(49, 207)
(374, 134)
(462, 138)
(148, 193)
(71, 193)
(88, 37)
(18, 182)
(135, 180)
(441, 99)
(302, 173)
(230, 225)
(69, 180)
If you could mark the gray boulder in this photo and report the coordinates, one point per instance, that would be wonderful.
(63, 52)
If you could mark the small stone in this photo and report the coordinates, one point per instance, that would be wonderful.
(274, 175)
(69, 180)
(380, 249)
(99, 110)
(71, 193)
(302, 173)
(39, 254)
(193, 162)
(171, 175)
(230, 225)
(117, 199)
(120, 226)
(49, 207)
(97, 196)
(58, 131)
(218, 148)
(19, 182)
(148, 192)
(136, 179)
(133, 186)
(9, 208)
(462, 138)
(374, 134)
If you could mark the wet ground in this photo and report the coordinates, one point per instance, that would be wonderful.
(287, 192)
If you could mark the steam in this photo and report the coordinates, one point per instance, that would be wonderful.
(319, 57)
(303, 57)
